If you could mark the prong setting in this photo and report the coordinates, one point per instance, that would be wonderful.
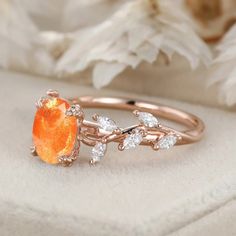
(53, 93)
(33, 151)
(68, 160)
(136, 113)
(117, 131)
(39, 103)
(95, 117)
(121, 147)
(75, 110)
(155, 147)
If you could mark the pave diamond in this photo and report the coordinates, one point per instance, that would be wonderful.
(74, 110)
(106, 123)
(167, 141)
(148, 119)
(98, 152)
(133, 140)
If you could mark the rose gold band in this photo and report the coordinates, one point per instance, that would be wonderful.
(60, 126)
(193, 123)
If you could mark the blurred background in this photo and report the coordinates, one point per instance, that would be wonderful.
(165, 51)
(183, 49)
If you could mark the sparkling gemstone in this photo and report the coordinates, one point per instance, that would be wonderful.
(98, 152)
(54, 133)
(74, 110)
(148, 119)
(106, 123)
(133, 140)
(167, 141)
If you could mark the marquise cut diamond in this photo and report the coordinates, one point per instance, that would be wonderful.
(133, 140)
(106, 123)
(148, 119)
(167, 141)
(98, 152)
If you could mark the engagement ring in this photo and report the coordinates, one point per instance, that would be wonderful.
(60, 127)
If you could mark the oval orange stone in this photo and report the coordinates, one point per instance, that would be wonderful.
(54, 133)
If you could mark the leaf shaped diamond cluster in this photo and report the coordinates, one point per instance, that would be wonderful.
(130, 138)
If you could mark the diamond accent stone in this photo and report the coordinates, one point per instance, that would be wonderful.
(98, 152)
(148, 119)
(106, 123)
(74, 110)
(133, 140)
(167, 141)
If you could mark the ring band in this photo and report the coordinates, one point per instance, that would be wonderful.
(60, 126)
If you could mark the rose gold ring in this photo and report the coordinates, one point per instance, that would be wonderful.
(60, 126)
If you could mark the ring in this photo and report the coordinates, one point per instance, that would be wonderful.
(60, 127)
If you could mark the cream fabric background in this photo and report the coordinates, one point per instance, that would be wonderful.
(189, 190)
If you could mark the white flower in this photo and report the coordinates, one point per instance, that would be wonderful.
(223, 71)
(18, 33)
(135, 33)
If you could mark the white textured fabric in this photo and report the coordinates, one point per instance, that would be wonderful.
(182, 191)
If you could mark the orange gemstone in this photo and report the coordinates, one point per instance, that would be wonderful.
(54, 133)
